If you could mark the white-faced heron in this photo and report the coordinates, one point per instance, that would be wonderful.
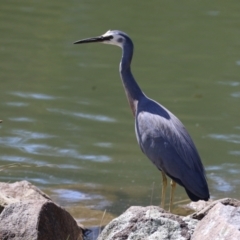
(160, 134)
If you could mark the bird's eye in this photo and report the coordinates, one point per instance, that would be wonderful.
(120, 40)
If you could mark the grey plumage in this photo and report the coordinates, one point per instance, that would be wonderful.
(170, 148)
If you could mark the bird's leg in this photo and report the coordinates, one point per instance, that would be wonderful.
(173, 187)
(164, 186)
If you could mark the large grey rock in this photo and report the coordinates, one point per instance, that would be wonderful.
(20, 191)
(26, 213)
(219, 221)
(148, 223)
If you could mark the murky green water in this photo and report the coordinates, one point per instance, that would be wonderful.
(67, 126)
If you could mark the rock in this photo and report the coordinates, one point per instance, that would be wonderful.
(148, 223)
(221, 220)
(225, 201)
(26, 213)
(215, 220)
(20, 191)
(198, 206)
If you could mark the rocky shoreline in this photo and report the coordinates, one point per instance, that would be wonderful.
(28, 213)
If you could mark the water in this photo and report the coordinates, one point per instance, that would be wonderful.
(67, 127)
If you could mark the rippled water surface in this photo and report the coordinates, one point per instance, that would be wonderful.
(67, 127)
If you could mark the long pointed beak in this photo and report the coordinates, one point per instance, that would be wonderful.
(94, 39)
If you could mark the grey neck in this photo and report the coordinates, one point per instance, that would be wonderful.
(133, 91)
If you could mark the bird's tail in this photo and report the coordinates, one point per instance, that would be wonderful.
(195, 198)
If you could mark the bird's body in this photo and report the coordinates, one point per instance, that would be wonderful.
(160, 135)
(165, 141)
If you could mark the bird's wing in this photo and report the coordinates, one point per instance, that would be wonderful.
(164, 139)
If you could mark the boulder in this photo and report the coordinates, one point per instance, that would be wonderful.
(27, 213)
(148, 223)
(214, 220)
(219, 221)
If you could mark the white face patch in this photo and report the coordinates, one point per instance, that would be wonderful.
(117, 39)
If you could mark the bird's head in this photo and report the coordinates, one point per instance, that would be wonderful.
(113, 37)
